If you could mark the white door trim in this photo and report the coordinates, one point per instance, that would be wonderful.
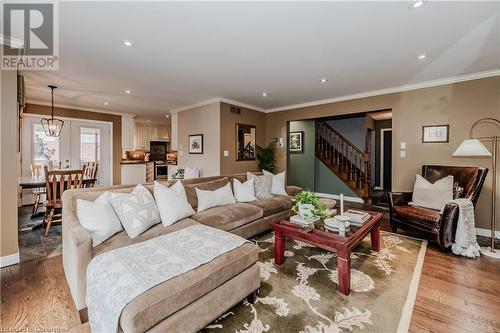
(381, 182)
(31, 116)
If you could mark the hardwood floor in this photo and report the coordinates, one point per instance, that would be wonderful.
(455, 295)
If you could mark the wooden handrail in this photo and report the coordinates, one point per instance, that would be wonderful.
(343, 138)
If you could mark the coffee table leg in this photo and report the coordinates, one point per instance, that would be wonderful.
(344, 271)
(279, 248)
(375, 237)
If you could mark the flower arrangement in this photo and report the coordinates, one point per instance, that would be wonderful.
(317, 209)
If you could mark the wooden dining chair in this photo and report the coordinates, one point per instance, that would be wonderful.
(36, 171)
(91, 173)
(56, 182)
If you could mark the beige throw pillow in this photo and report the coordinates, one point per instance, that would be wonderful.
(433, 196)
(262, 185)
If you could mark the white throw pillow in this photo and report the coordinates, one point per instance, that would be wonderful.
(98, 218)
(244, 192)
(262, 185)
(433, 196)
(137, 211)
(172, 203)
(219, 197)
(278, 183)
(190, 173)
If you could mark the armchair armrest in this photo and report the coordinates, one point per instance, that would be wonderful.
(448, 225)
(399, 198)
(293, 190)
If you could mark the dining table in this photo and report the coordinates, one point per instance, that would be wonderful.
(30, 182)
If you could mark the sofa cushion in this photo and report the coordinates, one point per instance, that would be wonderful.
(432, 217)
(229, 217)
(121, 239)
(159, 302)
(206, 186)
(273, 205)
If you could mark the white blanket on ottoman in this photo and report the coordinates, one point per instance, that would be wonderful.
(465, 236)
(116, 277)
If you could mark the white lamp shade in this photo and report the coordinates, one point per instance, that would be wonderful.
(471, 147)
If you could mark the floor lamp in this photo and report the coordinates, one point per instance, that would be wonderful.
(473, 147)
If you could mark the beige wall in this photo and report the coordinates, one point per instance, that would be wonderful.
(228, 121)
(80, 114)
(200, 120)
(8, 164)
(458, 105)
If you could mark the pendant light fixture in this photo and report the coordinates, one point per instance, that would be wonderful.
(52, 126)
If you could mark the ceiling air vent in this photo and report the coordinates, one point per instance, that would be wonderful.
(235, 109)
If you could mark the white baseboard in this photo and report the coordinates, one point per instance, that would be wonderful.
(9, 260)
(337, 197)
(487, 233)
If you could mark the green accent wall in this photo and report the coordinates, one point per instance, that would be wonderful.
(328, 182)
(308, 172)
(301, 165)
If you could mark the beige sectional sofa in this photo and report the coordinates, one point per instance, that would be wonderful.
(169, 307)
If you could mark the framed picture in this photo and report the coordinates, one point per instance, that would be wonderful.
(196, 144)
(296, 142)
(435, 134)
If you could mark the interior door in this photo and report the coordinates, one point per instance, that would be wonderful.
(91, 142)
(387, 160)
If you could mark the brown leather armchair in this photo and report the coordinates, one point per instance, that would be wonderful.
(437, 226)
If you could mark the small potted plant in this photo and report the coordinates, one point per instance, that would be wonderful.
(307, 205)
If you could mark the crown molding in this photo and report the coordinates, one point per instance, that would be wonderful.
(217, 100)
(414, 86)
(407, 87)
(11, 41)
(65, 106)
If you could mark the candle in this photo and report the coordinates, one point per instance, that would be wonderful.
(341, 204)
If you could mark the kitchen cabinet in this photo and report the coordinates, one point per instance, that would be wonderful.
(128, 127)
(133, 174)
(144, 133)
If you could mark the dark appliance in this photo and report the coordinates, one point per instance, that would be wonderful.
(161, 170)
(157, 151)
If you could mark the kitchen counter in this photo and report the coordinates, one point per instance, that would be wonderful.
(133, 162)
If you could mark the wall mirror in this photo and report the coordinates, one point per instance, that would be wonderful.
(245, 142)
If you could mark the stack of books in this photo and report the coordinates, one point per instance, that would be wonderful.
(300, 220)
(356, 217)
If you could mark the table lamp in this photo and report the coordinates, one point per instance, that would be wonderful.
(473, 147)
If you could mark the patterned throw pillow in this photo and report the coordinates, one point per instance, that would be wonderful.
(137, 211)
(262, 185)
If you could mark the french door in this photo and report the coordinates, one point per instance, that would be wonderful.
(80, 142)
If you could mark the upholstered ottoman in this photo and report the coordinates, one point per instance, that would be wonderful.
(190, 301)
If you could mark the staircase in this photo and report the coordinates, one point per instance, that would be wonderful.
(344, 159)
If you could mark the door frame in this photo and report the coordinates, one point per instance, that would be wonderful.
(381, 183)
(90, 121)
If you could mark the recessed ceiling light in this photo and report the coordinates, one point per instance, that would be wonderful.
(422, 56)
(264, 94)
(417, 4)
(127, 43)
(106, 103)
(323, 80)
(127, 91)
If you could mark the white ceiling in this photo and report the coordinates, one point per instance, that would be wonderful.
(184, 53)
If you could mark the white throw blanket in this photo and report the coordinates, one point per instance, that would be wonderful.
(116, 277)
(465, 236)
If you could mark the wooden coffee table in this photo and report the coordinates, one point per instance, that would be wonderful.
(330, 241)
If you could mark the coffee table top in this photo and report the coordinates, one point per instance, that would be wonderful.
(330, 240)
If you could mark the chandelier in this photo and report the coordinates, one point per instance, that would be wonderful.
(52, 126)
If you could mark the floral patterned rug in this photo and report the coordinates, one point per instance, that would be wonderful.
(302, 294)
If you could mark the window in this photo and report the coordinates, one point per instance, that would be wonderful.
(90, 145)
(45, 148)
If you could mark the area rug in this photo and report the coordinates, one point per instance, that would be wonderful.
(302, 294)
